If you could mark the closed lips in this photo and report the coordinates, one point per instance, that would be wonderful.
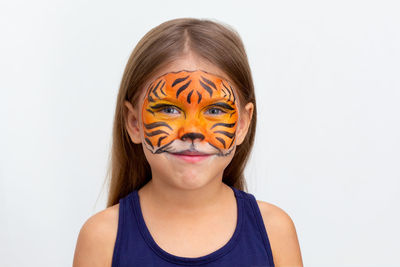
(191, 154)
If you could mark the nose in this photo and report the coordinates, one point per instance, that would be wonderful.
(192, 136)
(192, 129)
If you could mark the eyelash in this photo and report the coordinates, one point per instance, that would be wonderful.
(163, 110)
(218, 109)
(170, 107)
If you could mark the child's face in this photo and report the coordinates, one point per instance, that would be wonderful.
(190, 112)
(188, 117)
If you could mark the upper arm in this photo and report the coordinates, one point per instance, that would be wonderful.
(282, 235)
(96, 239)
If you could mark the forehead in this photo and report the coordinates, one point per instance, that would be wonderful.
(194, 74)
(190, 87)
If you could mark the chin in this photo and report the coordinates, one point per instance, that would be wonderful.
(192, 180)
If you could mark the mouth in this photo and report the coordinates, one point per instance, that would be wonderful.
(191, 153)
(191, 156)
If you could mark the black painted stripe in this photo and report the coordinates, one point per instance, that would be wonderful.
(161, 149)
(227, 90)
(179, 80)
(209, 82)
(208, 89)
(156, 132)
(229, 125)
(198, 101)
(183, 87)
(155, 88)
(189, 96)
(155, 93)
(230, 90)
(160, 139)
(149, 110)
(221, 140)
(150, 89)
(156, 106)
(148, 142)
(232, 142)
(232, 114)
(234, 97)
(223, 90)
(156, 124)
(161, 88)
(223, 105)
(228, 134)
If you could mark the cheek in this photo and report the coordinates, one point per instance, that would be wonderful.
(222, 131)
(160, 130)
(158, 162)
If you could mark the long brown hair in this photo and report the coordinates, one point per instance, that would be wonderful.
(213, 41)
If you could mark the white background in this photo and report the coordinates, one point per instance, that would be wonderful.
(327, 147)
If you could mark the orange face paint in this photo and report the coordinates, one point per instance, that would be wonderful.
(190, 110)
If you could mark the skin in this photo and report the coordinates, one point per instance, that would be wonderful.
(190, 110)
(189, 199)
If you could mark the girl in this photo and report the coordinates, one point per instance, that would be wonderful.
(184, 127)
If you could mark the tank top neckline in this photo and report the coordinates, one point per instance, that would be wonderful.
(186, 260)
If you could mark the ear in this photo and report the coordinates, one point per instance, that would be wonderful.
(244, 123)
(132, 122)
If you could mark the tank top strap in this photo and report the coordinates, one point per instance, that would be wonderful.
(127, 232)
(252, 205)
(120, 236)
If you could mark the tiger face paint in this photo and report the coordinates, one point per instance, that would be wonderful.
(190, 111)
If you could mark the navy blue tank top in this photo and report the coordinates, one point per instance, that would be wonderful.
(248, 246)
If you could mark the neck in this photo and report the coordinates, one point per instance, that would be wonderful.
(182, 201)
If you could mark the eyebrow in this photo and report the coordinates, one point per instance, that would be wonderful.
(222, 105)
(173, 102)
(161, 105)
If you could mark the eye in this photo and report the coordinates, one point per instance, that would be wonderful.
(170, 110)
(215, 111)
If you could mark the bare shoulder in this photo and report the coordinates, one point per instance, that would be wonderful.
(96, 239)
(282, 235)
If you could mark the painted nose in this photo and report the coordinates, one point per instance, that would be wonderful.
(191, 130)
(192, 136)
